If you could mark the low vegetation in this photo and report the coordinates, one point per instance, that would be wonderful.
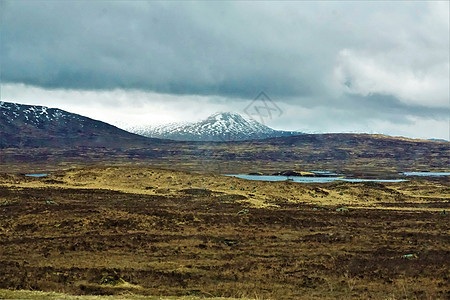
(151, 232)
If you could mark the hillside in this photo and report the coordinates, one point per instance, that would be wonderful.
(24, 126)
(37, 137)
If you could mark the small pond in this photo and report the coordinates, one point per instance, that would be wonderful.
(310, 179)
(426, 173)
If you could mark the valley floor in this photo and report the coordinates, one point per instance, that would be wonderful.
(149, 232)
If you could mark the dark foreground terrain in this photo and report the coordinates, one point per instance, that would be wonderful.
(176, 234)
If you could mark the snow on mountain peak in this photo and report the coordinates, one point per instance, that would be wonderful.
(221, 126)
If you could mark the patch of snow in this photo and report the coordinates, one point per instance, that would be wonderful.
(222, 126)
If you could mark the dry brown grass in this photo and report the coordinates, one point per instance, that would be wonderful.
(149, 181)
(37, 295)
(172, 233)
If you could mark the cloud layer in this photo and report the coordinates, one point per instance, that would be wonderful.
(376, 61)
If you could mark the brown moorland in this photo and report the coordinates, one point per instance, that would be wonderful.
(146, 231)
(362, 155)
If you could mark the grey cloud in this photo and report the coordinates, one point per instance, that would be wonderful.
(373, 113)
(289, 49)
(390, 108)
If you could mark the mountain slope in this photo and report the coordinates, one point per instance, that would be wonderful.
(40, 126)
(46, 137)
(220, 127)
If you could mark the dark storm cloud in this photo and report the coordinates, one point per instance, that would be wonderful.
(296, 52)
(170, 48)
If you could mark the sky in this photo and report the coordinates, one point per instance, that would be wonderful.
(325, 66)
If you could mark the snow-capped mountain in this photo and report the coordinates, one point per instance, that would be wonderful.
(219, 127)
(35, 115)
(40, 126)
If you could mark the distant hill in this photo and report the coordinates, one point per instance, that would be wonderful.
(219, 127)
(39, 126)
(48, 136)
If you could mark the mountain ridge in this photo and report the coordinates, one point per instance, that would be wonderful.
(37, 135)
(24, 125)
(219, 127)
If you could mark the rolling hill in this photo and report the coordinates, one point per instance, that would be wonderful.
(37, 137)
(25, 126)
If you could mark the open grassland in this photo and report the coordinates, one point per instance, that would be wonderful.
(150, 232)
